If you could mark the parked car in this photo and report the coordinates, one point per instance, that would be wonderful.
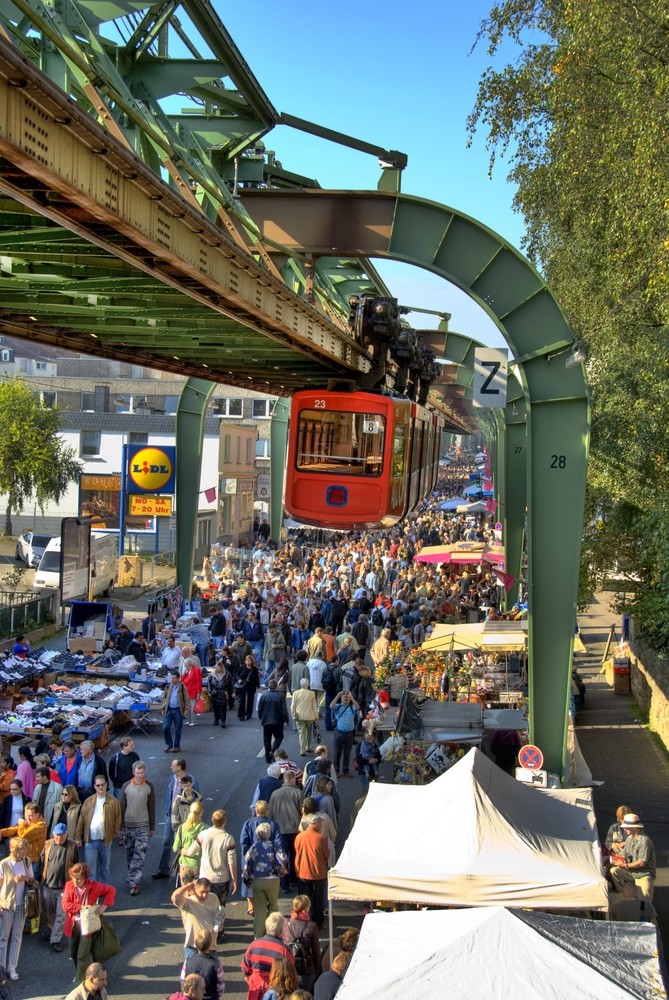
(30, 547)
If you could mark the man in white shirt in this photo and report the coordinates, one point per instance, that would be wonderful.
(99, 822)
(171, 655)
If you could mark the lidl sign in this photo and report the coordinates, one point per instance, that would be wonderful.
(151, 470)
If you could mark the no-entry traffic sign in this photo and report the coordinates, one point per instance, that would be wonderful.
(531, 757)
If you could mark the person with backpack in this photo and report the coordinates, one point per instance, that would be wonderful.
(332, 685)
(378, 619)
(345, 713)
(300, 935)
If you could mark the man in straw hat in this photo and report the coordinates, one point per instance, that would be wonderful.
(638, 858)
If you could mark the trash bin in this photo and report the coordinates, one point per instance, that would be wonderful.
(621, 675)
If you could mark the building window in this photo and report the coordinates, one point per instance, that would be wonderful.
(89, 446)
(122, 404)
(170, 403)
(228, 408)
(262, 448)
(226, 449)
(40, 366)
(88, 402)
(138, 437)
(262, 408)
(48, 398)
(204, 532)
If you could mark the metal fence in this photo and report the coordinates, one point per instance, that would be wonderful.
(25, 612)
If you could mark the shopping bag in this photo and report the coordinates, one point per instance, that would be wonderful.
(200, 707)
(105, 943)
(32, 901)
(89, 919)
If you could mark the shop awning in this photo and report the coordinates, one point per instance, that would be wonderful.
(461, 552)
(493, 637)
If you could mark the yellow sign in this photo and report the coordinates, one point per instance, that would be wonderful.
(150, 468)
(144, 506)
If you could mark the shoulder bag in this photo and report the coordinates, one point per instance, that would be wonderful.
(89, 918)
(105, 943)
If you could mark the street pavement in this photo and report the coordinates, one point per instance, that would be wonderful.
(619, 749)
(228, 764)
(622, 752)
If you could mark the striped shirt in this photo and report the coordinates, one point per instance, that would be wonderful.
(261, 953)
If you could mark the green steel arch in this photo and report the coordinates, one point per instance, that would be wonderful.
(515, 296)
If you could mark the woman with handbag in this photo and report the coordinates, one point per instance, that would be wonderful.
(16, 872)
(185, 844)
(219, 686)
(84, 901)
(263, 865)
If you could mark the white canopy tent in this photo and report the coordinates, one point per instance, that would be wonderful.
(493, 954)
(473, 837)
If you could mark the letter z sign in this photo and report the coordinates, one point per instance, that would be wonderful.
(490, 374)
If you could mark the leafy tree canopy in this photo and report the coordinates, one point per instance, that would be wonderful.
(583, 112)
(35, 464)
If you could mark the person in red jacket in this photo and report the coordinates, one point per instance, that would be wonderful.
(80, 890)
(192, 681)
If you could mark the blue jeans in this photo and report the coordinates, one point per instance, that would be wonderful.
(203, 653)
(328, 712)
(98, 857)
(166, 856)
(173, 717)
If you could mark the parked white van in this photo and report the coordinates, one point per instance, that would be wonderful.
(104, 565)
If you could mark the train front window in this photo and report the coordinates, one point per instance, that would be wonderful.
(348, 444)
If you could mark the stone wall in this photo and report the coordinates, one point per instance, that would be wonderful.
(650, 686)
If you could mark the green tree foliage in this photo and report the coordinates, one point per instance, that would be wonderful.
(35, 464)
(583, 113)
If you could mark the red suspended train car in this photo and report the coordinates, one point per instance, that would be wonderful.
(359, 460)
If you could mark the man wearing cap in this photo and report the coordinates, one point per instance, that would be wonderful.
(58, 856)
(638, 864)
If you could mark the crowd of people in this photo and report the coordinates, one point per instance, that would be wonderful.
(313, 619)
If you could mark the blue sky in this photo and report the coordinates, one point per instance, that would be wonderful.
(400, 75)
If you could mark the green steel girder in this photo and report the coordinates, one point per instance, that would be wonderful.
(191, 410)
(516, 298)
(114, 59)
(515, 484)
(278, 443)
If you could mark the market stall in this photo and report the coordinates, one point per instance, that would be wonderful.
(516, 845)
(494, 953)
(484, 660)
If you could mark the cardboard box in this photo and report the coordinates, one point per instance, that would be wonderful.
(83, 645)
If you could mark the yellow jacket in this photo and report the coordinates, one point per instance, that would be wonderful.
(33, 833)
